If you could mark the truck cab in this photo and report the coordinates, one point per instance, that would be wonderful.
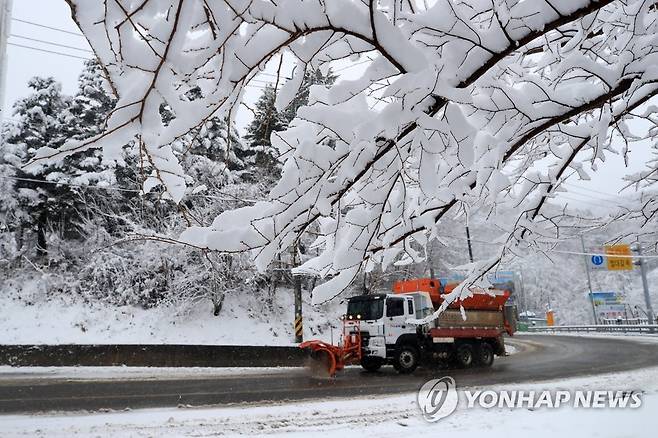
(384, 327)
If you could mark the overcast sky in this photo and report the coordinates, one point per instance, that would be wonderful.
(24, 63)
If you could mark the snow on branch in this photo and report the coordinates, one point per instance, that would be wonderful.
(484, 103)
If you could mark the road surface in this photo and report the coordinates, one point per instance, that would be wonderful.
(540, 357)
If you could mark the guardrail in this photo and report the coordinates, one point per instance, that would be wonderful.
(151, 355)
(608, 328)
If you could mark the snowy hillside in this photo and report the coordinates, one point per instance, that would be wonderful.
(243, 321)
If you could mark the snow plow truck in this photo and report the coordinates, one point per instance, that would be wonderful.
(377, 332)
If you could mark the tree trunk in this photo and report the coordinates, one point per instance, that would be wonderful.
(430, 259)
(42, 243)
(217, 302)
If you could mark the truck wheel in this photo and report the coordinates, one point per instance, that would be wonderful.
(371, 364)
(464, 356)
(485, 355)
(406, 359)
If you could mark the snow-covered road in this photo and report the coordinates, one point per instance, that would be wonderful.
(374, 415)
(389, 416)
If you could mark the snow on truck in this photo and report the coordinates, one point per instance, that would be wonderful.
(377, 332)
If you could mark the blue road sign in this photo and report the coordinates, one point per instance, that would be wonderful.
(597, 262)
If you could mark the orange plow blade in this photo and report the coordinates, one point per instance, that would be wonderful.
(332, 358)
(323, 358)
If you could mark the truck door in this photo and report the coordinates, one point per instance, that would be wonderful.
(394, 321)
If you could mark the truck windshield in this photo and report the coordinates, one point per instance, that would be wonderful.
(369, 308)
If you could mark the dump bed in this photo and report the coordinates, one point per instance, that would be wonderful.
(487, 301)
(474, 318)
(486, 315)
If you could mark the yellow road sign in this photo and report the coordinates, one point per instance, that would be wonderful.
(619, 263)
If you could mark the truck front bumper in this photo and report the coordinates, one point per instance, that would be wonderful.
(376, 347)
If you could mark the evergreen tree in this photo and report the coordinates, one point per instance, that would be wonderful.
(268, 120)
(84, 117)
(215, 154)
(92, 104)
(50, 195)
(212, 155)
(217, 142)
(37, 194)
(11, 214)
(310, 78)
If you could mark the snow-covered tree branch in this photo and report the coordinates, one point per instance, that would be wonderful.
(473, 103)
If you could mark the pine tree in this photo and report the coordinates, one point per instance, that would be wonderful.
(11, 214)
(310, 78)
(268, 120)
(37, 195)
(85, 117)
(91, 105)
(50, 195)
(215, 154)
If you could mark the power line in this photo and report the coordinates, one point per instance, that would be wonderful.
(621, 256)
(86, 186)
(611, 195)
(347, 67)
(579, 192)
(227, 196)
(351, 66)
(561, 195)
(586, 197)
(273, 75)
(58, 29)
(54, 52)
(51, 43)
(559, 251)
(48, 51)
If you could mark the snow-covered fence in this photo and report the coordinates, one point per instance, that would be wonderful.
(617, 328)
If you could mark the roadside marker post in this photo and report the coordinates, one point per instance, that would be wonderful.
(297, 281)
(637, 248)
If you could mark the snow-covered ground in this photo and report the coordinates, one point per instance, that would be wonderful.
(244, 320)
(387, 416)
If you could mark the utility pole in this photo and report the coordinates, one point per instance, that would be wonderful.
(297, 281)
(589, 280)
(5, 22)
(524, 305)
(468, 237)
(637, 248)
